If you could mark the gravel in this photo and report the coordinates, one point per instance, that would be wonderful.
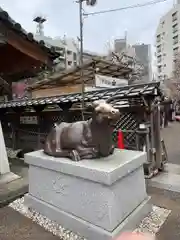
(151, 224)
(12, 153)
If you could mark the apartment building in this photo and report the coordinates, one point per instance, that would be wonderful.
(68, 49)
(168, 42)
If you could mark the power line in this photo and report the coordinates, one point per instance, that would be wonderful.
(125, 8)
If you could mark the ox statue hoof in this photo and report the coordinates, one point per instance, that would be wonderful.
(75, 156)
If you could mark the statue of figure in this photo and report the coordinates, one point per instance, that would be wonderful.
(84, 139)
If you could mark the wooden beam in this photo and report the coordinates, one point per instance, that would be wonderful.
(17, 63)
(56, 91)
(29, 48)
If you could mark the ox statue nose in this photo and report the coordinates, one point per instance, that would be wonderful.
(114, 111)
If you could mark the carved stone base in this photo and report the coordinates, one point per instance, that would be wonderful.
(96, 199)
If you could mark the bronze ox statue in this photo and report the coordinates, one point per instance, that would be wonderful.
(84, 139)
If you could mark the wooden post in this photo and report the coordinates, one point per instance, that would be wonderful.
(14, 137)
(157, 138)
(39, 109)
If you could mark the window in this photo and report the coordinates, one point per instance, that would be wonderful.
(69, 63)
(174, 16)
(75, 64)
(159, 58)
(74, 56)
(175, 39)
(175, 50)
(158, 38)
(162, 24)
(69, 52)
(159, 69)
(57, 48)
(61, 60)
(175, 28)
(158, 48)
(62, 52)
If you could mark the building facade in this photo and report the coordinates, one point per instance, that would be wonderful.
(168, 42)
(120, 45)
(141, 53)
(144, 56)
(68, 49)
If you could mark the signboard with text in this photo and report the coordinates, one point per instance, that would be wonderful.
(107, 82)
(28, 120)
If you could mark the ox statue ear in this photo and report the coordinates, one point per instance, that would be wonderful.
(97, 102)
(93, 105)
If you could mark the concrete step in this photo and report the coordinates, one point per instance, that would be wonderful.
(167, 183)
(172, 168)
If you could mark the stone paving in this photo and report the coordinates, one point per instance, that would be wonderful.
(171, 136)
(171, 228)
(14, 226)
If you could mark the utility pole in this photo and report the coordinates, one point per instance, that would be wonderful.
(90, 3)
(81, 56)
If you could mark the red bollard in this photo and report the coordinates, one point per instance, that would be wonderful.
(120, 138)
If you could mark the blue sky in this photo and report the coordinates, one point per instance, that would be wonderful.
(63, 18)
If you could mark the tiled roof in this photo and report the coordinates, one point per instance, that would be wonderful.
(124, 93)
(10, 23)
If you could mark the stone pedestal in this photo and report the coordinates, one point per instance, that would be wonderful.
(96, 199)
(5, 175)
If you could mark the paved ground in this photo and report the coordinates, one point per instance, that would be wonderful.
(15, 226)
(171, 136)
(171, 227)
